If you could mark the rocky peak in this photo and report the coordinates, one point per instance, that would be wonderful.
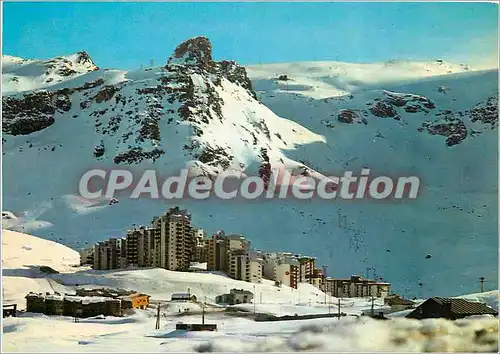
(83, 58)
(195, 51)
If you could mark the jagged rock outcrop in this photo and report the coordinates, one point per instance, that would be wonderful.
(383, 110)
(486, 112)
(448, 126)
(28, 114)
(193, 52)
(195, 55)
(387, 106)
(265, 168)
(350, 116)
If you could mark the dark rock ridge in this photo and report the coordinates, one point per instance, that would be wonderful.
(137, 155)
(387, 106)
(486, 112)
(383, 110)
(350, 116)
(454, 129)
(448, 126)
(265, 168)
(27, 113)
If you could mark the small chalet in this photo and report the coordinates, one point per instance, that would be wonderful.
(450, 308)
(183, 297)
(397, 303)
(236, 296)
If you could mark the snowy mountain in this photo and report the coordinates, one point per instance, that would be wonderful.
(191, 109)
(20, 74)
(434, 120)
(329, 79)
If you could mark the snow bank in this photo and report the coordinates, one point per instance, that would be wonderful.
(21, 257)
(368, 335)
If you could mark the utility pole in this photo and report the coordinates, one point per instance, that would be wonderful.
(254, 300)
(373, 309)
(338, 306)
(325, 267)
(481, 283)
(158, 317)
(203, 311)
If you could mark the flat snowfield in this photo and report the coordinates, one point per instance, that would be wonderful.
(24, 254)
(326, 79)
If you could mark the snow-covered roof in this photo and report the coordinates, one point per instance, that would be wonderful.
(89, 299)
(181, 295)
(198, 266)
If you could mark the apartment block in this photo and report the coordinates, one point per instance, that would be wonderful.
(307, 267)
(356, 286)
(87, 256)
(107, 254)
(256, 267)
(282, 268)
(217, 249)
(156, 254)
(239, 264)
(316, 278)
(176, 241)
(287, 274)
(220, 250)
(133, 248)
(200, 247)
(122, 252)
(145, 247)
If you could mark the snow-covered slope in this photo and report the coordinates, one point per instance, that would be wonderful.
(328, 79)
(442, 129)
(420, 120)
(20, 74)
(22, 255)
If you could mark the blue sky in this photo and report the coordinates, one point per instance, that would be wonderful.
(126, 35)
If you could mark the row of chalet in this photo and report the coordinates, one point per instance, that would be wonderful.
(86, 303)
(235, 296)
